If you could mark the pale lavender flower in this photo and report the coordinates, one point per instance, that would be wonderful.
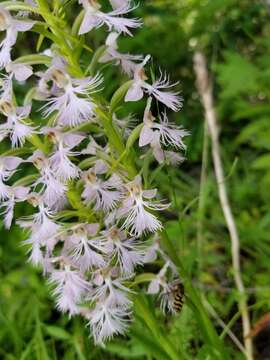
(167, 133)
(12, 27)
(52, 189)
(20, 72)
(106, 321)
(111, 314)
(162, 156)
(95, 18)
(59, 161)
(93, 147)
(8, 166)
(111, 290)
(159, 89)
(116, 4)
(125, 252)
(15, 127)
(43, 218)
(70, 287)
(15, 194)
(126, 61)
(42, 240)
(159, 281)
(83, 250)
(104, 194)
(71, 98)
(136, 209)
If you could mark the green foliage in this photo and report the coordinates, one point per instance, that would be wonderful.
(234, 35)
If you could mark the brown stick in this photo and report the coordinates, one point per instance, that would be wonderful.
(206, 93)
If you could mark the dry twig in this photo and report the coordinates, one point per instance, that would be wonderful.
(206, 93)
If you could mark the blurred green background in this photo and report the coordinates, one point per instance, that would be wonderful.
(235, 37)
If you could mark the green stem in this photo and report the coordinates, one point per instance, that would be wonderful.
(210, 333)
(146, 315)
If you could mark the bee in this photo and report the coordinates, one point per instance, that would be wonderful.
(178, 294)
(172, 299)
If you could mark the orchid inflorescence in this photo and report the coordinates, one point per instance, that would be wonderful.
(92, 223)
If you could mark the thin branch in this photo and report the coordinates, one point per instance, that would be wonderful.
(206, 93)
(201, 205)
(226, 329)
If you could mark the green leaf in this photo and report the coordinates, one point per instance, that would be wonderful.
(33, 59)
(262, 162)
(93, 64)
(142, 278)
(133, 137)
(27, 180)
(237, 75)
(57, 332)
(119, 95)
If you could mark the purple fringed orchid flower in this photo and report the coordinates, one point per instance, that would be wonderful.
(136, 209)
(12, 27)
(95, 18)
(16, 126)
(168, 134)
(126, 61)
(70, 287)
(104, 194)
(159, 89)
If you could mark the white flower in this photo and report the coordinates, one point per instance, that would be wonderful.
(61, 165)
(124, 251)
(70, 287)
(20, 72)
(136, 209)
(158, 89)
(112, 291)
(42, 239)
(8, 166)
(52, 189)
(161, 155)
(126, 61)
(116, 4)
(43, 218)
(84, 251)
(43, 230)
(15, 194)
(106, 321)
(167, 133)
(93, 147)
(94, 18)
(159, 281)
(15, 127)
(71, 99)
(104, 194)
(12, 27)
(111, 314)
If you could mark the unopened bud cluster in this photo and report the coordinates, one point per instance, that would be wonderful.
(90, 213)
